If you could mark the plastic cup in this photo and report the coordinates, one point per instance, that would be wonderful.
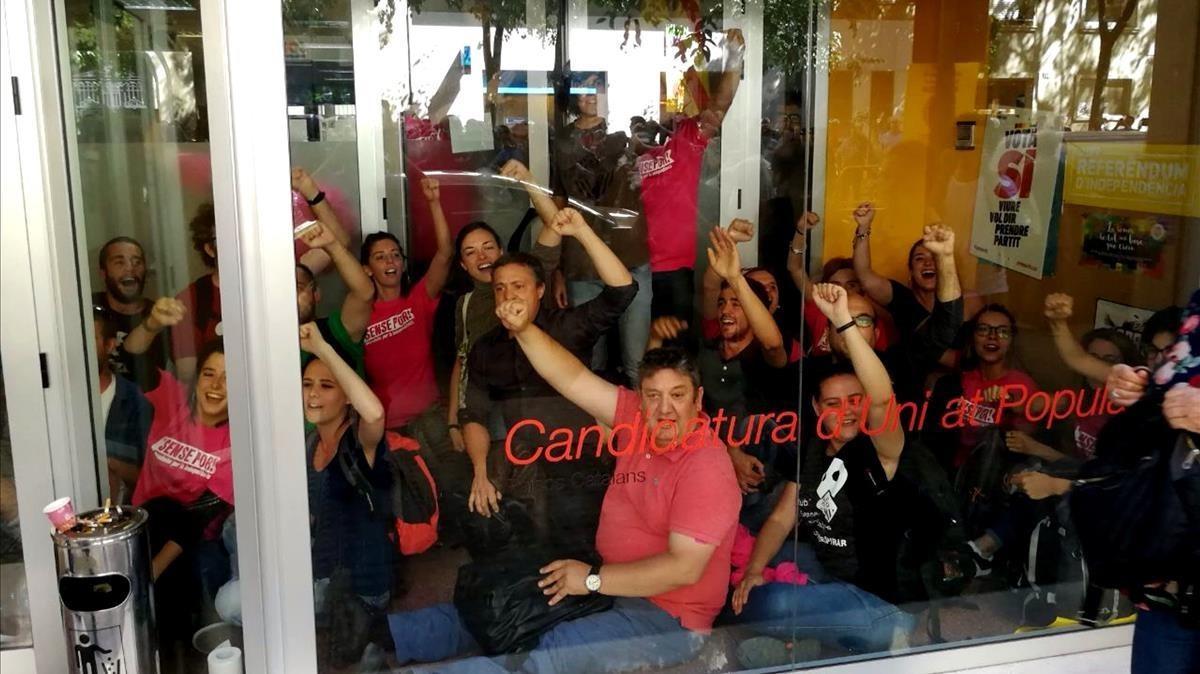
(61, 514)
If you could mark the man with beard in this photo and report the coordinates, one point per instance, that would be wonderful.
(742, 364)
(123, 273)
(308, 294)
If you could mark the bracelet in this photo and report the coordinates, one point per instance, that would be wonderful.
(859, 236)
(317, 199)
(847, 326)
(796, 251)
(453, 427)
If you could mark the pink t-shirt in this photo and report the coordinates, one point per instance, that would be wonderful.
(399, 358)
(183, 457)
(983, 415)
(687, 491)
(1085, 431)
(670, 178)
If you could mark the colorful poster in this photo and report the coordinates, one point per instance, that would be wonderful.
(1123, 243)
(1134, 177)
(1128, 320)
(1018, 200)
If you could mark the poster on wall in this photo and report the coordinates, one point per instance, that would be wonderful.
(1149, 178)
(1126, 319)
(1125, 243)
(1019, 197)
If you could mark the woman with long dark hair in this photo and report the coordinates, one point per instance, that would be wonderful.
(396, 328)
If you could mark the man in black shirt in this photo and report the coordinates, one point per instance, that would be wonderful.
(564, 489)
(123, 272)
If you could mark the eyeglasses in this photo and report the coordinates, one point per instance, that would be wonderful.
(864, 321)
(1152, 351)
(999, 331)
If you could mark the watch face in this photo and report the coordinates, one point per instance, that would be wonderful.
(592, 582)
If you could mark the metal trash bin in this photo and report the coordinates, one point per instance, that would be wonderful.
(105, 593)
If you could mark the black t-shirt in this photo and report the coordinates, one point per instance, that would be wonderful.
(924, 337)
(746, 384)
(848, 511)
(906, 310)
(141, 369)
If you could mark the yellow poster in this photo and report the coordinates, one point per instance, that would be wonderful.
(1134, 176)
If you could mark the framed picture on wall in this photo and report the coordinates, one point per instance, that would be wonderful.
(1123, 317)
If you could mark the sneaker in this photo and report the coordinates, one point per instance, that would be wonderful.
(760, 652)
(983, 565)
(373, 660)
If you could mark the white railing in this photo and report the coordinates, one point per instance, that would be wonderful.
(124, 94)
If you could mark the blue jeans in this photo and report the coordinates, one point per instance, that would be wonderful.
(1161, 645)
(633, 634)
(833, 611)
(635, 322)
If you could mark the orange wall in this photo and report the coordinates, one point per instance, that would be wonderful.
(908, 167)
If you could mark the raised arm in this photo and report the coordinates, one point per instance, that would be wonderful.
(303, 183)
(727, 85)
(740, 231)
(439, 267)
(1058, 309)
(323, 237)
(166, 312)
(370, 410)
(939, 239)
(795, 258)
(571, 378)
(876, 381)
(877, 287)
(610, 269)
(542, 203)
(723, 258)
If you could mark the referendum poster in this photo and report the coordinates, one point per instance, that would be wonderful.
(1018, 201)
(1134, 176)
(1123, 243)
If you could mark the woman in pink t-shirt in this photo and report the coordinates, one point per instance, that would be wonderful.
(396, 328)
(186, 481)
(187, 477)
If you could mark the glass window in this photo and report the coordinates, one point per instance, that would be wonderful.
(731, 336)
(145, 217)
(15, 627)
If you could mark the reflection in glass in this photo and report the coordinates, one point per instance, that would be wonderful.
(15, 628)
(149, 228)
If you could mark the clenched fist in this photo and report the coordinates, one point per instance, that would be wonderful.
(1059, 306)
(514, 315)
(167, 312)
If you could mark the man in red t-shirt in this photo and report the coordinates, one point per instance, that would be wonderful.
(669, 175)
(666, 527)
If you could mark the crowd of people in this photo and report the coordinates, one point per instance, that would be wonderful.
(818, 474)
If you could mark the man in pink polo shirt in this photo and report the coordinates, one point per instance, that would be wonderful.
(665, 534)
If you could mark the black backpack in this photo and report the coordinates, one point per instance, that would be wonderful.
(935, 536)
(1136, 505)
(413, 504)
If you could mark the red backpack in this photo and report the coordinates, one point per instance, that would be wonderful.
(414, 503)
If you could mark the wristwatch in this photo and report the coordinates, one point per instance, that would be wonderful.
(317, 198)
(592, 582)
